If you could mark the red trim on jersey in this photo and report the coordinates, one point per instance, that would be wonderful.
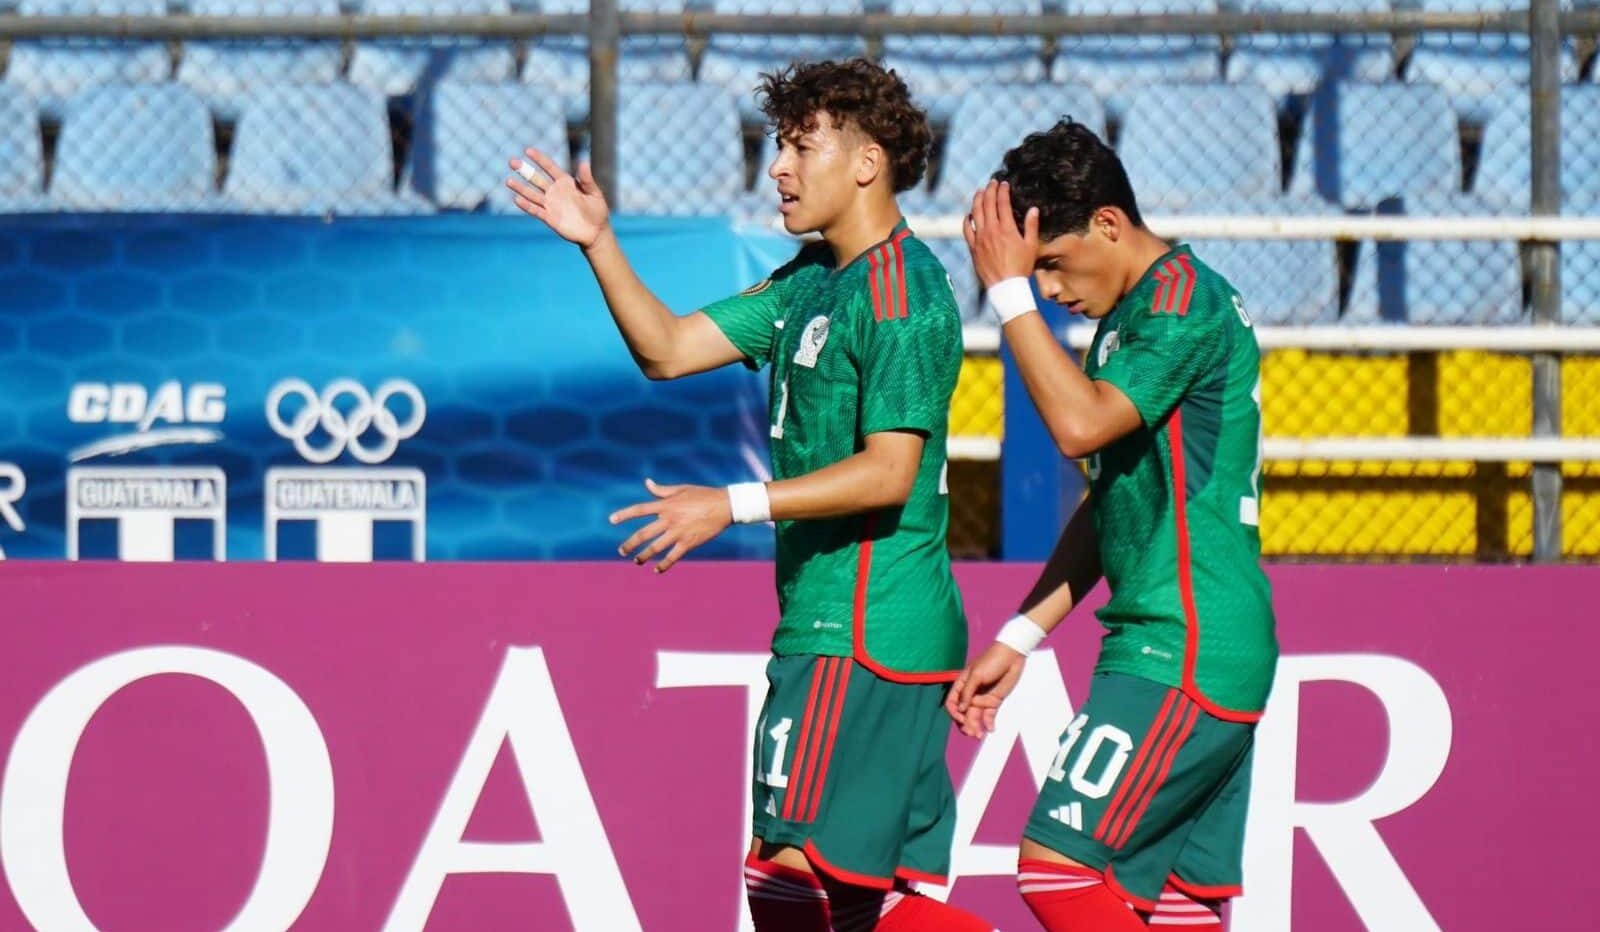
(906, 873)
(1188, 284)
(1204, 893)
(860, 880)
(1151, 738)
(863, 575)
(804, 741)
(841, 691)
(1161, 290)
(1191, 650)
(877, 295)
(1146, 785)
(795, 804)
(900, 275)
(1193, 715)
(1139, 902)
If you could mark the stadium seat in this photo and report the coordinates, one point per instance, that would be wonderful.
(1437, 281)
(52, 70)
(21, 160)
(1474, 67)
(941, 69)
(466, 132)
(1117, 66)
(1288, 65)
(135, 148)
(560, 64)
(1230, 144)
(222, 72)
(1504, 177)
(679, 150)
(1282, 281)
(737, 62)
(1363, 143)
(313, 149)
(994, 118)
(397, 67)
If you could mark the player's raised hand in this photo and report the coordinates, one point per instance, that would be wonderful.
(574, 207)
(976, 694)
(686, 516)
(1000, 250)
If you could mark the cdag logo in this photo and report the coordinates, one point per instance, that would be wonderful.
(147, 505)
(345, 506)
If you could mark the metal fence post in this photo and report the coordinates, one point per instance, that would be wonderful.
(604, 27)
(1544, 28)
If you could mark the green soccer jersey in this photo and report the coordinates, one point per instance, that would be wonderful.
(1176, 502)
(873, 346)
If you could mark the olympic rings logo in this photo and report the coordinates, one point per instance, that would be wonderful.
(347, 424)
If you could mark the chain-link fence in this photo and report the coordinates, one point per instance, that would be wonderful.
(1284, 108)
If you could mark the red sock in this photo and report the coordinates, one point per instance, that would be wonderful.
(1179, 912)
(917, 913)
(1067, 898)
(784, 899)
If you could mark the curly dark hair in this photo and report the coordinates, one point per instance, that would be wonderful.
(1068, 173)
(857, 92)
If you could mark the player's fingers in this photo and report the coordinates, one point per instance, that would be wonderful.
(1030, 227)
(545, 162)
(977, 211)
(661, 543)
(968, 233)
(988, 720)
(586, 178)
(637, 538)
(672, 557)
(635, 511)
(952, 699)
(661, 491)
(530, 173)
(526, 191)
(528, 207)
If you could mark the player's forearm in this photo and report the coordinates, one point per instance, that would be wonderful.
(1068, 401)
(861, 483)
(1071, 571)
(648, 327)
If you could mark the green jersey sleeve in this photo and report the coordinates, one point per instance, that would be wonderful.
(750, 318)
(910, 354)
(1160, 357)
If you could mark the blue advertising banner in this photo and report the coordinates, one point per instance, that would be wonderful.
(442, 388)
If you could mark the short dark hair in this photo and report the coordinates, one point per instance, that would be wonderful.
(857, 92)
(1068, 173)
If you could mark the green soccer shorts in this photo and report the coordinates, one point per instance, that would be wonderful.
(1150, 789)
(850, 768)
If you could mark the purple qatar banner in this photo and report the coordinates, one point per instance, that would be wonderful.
(565, 746)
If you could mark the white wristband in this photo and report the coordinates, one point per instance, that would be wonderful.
(1010, 298)
(749, 503)
(1021, 634)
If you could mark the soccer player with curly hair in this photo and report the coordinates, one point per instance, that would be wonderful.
(852, 798)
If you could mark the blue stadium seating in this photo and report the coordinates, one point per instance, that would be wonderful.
(1504, 177)
(1117, 66)
(942, 69)
(135, 148)
(1229, 144)
(1295, 64)
(992, 119)
(737, 62)
(466, 132)
(1367, 142)
(1437, 281)
(21, 161)
(398, 67)
(52, 70)
(1473, 68)
(679, 150)
(561, 63)
(1282, 281)
(313, 149)
(222, 72)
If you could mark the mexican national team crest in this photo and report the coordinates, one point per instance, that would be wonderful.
(812, 339)
(1109, 345)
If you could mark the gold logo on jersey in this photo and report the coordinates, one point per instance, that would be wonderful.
(757, 288)
(812, 339)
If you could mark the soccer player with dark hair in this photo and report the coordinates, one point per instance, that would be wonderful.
(852, 798)
(1140, 823)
